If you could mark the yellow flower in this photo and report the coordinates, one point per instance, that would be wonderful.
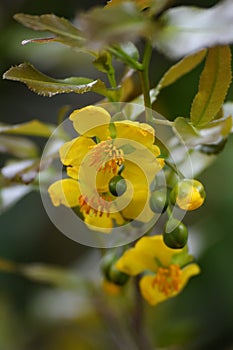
(167, 271)
(105, 152)
(188, 194)
(142, 4)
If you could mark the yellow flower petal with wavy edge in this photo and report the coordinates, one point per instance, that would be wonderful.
(103, 223)
(141, 170)
(73, 152)
(142, 4)
(146, 255)
(91, 121)
(156, 151)
(150, 290)
(139, 132)
(72, 172)
(65, 192)
(138, 208)
(102, 181)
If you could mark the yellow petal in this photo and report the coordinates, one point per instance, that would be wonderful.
(138, 208)
(139, 132)
(102, 223)
(148, 252)
(187, 272)
(73, 172)
(136, 175)
(141, 170)
(91, 121)
(150, 291)
(73, 152)
(65, 192)
(102, 180)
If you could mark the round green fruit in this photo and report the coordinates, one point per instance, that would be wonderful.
(158, 201)
(117, 186)
(175, 234)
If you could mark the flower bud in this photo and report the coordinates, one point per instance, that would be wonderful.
(117, 185)
(117, 277)
(110, 272)
(188, 194)
(158, 201)
(175, 234)
(106, 263)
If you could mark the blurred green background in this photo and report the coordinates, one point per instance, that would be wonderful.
(37, 317)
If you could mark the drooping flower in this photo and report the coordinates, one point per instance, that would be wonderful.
(165, 271)
(106, 152)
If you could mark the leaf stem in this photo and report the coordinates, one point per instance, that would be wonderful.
(124, 57)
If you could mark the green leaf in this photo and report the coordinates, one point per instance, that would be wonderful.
(11, 194)
(213, 86)
(228, 110)
(185, 131)
(182, 67)
(60, 277)
(185, 29)
(178, 70)
(24, 171)
(46, 86)
(63, 30)
(213, 132)
(32, 128)
(103, 62)
(19, 147)
(114, 24)
(42, 273)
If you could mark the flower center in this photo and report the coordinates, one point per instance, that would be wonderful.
(106, 157)
(95, 206)
(168, 279)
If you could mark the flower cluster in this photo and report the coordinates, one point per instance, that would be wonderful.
(110, 167)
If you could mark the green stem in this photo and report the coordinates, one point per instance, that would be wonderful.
(111, 77)
(145, 83)
(175, 169)
(163, 122)
(122, 56)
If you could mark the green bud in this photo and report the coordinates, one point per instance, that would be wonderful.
(117, 277)
(158, 201)
(110, 272)
(117, 185)
(106, 262)
(177, 238)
